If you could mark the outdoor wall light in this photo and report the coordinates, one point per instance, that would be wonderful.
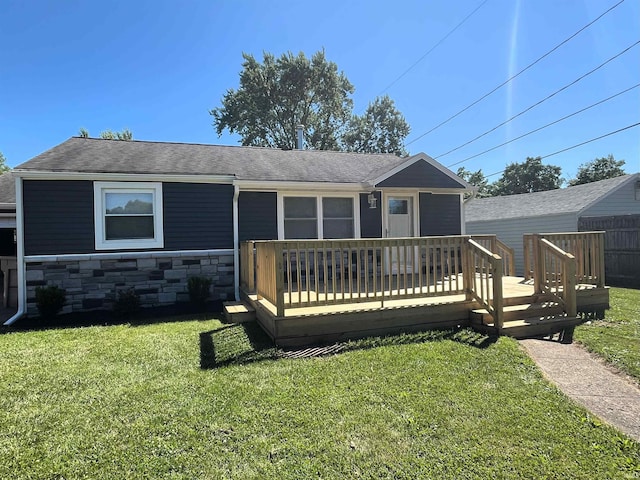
(371, 198)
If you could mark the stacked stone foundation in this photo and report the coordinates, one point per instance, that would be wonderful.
(159, 278)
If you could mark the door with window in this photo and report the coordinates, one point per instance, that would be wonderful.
(399, 223)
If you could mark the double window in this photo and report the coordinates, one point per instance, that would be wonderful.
(128, 215)
(318, 217)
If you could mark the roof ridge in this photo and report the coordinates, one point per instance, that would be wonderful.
(252, 147)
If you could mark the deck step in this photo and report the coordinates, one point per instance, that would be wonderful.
(525, 299)
(535, 327)
(514, 312)
(239, 312)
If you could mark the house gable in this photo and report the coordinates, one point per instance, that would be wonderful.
(423, 173)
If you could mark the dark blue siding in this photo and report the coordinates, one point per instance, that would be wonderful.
(258, 216)
(58, 217)
(370, 218)
(197, 216)
(439, 215)
(421, 175)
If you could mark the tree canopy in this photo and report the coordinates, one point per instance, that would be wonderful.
(381, 129)
(109, 134)
(278, 94)
(477, 179)
(3, 164)
(527, 177)
(598, 169)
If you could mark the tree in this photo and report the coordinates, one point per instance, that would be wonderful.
(477, 179)
(280, 93)
(381, 129)
(529, 176)
(3, 164)
(598, 169)
(109, 134)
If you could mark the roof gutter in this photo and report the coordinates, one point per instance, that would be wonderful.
(20, 266)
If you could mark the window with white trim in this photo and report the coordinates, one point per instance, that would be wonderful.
(128, 215)
(311, 217)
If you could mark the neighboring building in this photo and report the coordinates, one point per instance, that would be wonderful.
(96, 216)
(510, 217)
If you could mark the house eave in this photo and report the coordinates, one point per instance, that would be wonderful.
(123, 177)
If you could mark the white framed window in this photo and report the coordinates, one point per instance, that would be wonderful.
(128, 215)
(312, 216)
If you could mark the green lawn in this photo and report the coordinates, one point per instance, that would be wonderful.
(616, 338)
(199, 399)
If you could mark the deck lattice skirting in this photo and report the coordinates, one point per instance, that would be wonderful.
(159, 279)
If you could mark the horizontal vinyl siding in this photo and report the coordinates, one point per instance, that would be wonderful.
(511, 231)
(58, 217)
(370, 218)
(197, 216)
(620, 202)
(420, 175)
(439, 215)
(258, 216)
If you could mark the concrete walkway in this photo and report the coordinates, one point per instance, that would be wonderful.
(609, 395)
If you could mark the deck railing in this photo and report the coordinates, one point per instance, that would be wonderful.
(495, 245)
(308, 273)
(586, 247)
(555, 274)
(484, 273)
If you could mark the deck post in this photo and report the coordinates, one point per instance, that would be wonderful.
(569, 287)
(538, 264)
(497, 293)
(468, 269)
(279, 261)
(600, 243)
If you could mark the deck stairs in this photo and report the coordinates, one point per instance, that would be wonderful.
(239, 312)
(528, 316)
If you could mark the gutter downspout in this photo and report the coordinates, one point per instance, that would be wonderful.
(20, 265)
(463, 228)
(236, 244)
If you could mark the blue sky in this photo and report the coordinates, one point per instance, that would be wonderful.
(158, 67)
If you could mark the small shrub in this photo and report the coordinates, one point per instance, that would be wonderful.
(127, 302)
(50, 300)
(198, 290)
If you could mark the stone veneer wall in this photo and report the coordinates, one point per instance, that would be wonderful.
(160, 278)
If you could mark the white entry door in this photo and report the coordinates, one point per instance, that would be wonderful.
(399, 217)
(399, 224)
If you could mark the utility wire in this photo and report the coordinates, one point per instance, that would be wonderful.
(577, 145)
(540, 102)
(438, 43)
(514, 76)
(545, 126)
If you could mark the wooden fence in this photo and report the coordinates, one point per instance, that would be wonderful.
(621, 247)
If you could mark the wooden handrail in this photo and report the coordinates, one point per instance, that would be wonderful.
(308, 273)
(586, 247)
(557, 274)
(485, 271)
(495, 245)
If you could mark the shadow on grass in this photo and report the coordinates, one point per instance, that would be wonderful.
(246, 343)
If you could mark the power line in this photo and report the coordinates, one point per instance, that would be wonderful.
(592, 140)
(576, 145)
(545, 126)
(541, 101)
(438, 43)
(516, 75)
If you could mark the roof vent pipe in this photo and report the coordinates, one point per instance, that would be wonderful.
(300, 136)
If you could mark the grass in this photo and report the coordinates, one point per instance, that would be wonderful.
(616, 338)
(199, 399)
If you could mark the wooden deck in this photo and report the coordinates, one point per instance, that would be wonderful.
(326, 291)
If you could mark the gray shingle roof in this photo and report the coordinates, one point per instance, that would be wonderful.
(246, 163)
(7, 188)
(563, 200)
